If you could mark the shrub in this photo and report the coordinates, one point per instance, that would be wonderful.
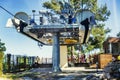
(1, 61)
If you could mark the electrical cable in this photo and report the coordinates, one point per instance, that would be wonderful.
(40, 44)
(7, 11)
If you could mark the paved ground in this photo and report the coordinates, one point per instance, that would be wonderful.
(4, 79)
(66, 74)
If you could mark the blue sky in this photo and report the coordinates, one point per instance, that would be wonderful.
(114, 19)
(17, 43)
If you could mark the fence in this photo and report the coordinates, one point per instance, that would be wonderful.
(13, 63)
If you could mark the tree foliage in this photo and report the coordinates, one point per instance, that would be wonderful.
(2, 48)
(98, 36)
(102, 14)
(53, 4)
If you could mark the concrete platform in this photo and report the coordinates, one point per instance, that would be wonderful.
(78, 69)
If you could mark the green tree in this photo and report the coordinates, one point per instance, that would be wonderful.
(98, 37)
(2, 49)
(101, 15)
(98, 32)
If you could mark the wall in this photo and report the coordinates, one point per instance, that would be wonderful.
(63, 56)
(104, 59)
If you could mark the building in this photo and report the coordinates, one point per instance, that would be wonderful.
(112, 45)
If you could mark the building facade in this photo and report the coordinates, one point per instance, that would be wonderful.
(112, 45)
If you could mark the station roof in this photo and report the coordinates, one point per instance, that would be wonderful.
(113, 40)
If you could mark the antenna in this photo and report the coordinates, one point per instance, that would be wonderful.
(33, 11)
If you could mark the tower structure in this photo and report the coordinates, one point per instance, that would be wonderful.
(49, 28)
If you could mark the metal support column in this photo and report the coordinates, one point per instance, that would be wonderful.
(56, 52)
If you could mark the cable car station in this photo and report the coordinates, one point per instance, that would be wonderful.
(49, 28)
